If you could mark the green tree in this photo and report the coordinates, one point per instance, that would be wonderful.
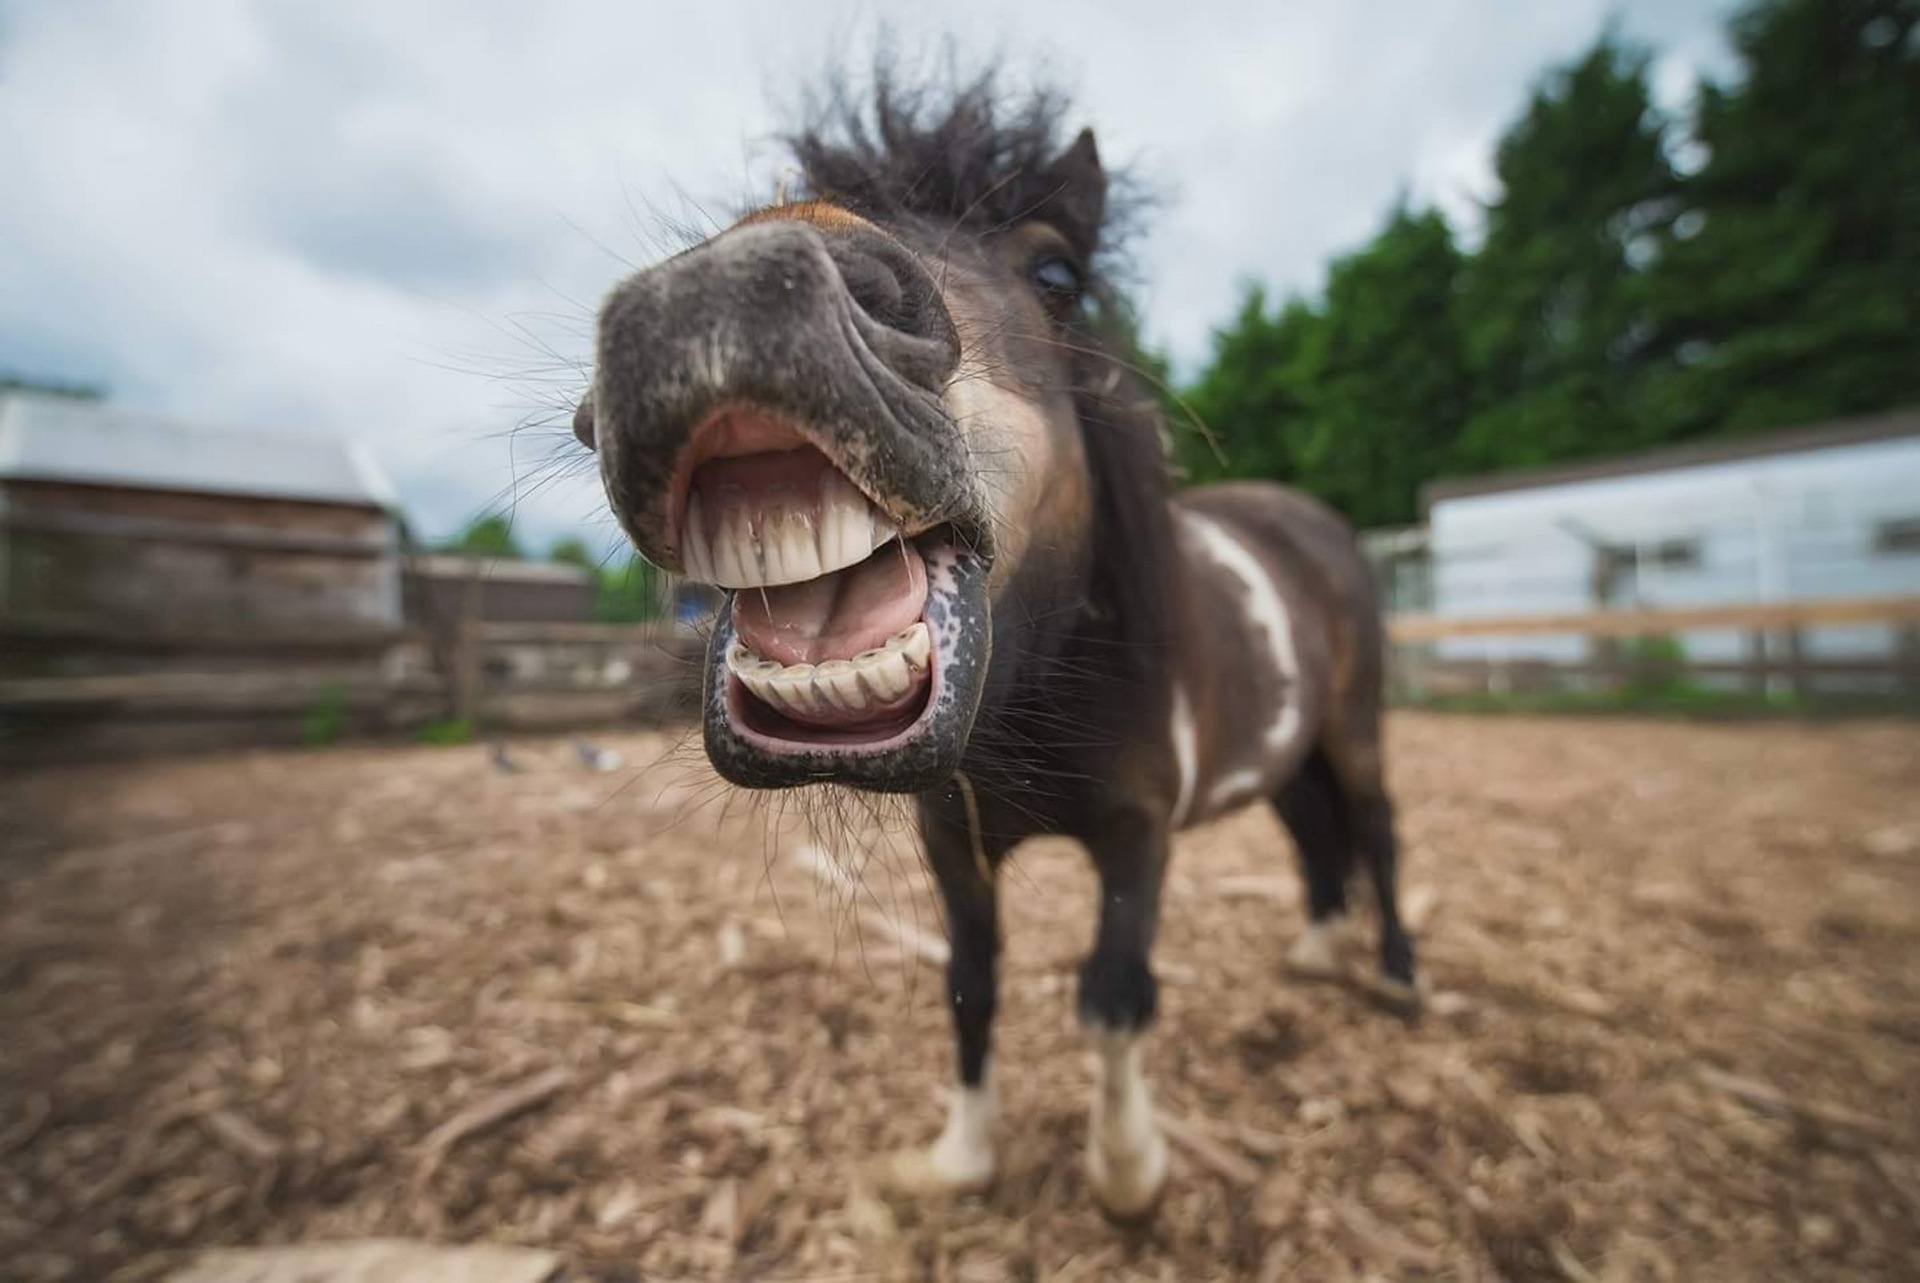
(1554, 305)
(1791, 287)
(1382, 389)
(1614, 303)
(1357, 401)
(632, 592)
(486, 536)
(1253, 389)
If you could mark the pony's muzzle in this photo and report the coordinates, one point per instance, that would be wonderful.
(841, 333)
(771, 418)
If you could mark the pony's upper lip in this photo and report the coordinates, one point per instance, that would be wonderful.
(776, 518)
(741, 430)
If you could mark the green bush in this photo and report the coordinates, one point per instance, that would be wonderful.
(1656, 666)
(446, 731)
(324, 722)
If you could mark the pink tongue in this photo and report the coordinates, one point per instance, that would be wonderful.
(835, 616)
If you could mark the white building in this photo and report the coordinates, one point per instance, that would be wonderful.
(1816, 513)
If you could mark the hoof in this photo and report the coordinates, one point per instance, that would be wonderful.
(1398, 996)
(1315, 955)
(1128, 1187)
(933, 1173)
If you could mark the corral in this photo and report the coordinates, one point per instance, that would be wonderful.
(1673, 1033)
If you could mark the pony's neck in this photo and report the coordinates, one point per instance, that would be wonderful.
(1134, 554)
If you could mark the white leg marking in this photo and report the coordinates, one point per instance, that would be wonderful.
(1266, 610)
(1316, 952)
(963, 1155)
(1185, 754)
(962, 1159)
(1126, 1155)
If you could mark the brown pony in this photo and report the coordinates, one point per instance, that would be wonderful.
(888, 419)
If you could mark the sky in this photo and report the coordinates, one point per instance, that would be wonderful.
(393, 221)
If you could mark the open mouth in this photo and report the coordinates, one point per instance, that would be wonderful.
(850, 649)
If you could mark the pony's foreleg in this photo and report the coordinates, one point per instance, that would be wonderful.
(962, 1159)
(1126, 1155)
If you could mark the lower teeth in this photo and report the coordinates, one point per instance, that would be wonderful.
(872, 679)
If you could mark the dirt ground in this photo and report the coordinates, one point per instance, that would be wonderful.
(1673, 1028)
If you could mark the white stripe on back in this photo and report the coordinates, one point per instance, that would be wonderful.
(1266, 611)
(1185, 755)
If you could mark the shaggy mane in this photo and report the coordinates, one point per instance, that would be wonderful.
(954, 149)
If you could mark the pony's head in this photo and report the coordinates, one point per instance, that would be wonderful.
(860, 411)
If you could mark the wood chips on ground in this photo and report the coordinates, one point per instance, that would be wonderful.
(639, 1020)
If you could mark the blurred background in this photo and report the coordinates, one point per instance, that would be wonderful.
(1601, 322)
(1574, 309)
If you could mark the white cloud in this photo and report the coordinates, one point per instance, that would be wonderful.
(341, 218)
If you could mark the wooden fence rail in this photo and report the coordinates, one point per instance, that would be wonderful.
(1775, 617)
(69, 690)
(154, 689)
(1776, 654)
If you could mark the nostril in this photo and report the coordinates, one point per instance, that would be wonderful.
(875, 287)
(910, 328)
(583, 421)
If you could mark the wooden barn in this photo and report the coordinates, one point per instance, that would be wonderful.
(116, 521)
(165, 585)
(444, 588)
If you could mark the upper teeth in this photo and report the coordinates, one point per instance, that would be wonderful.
(762, 545)
(872, 678)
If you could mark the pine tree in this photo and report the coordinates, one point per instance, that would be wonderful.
(1554, 306)
(1389, 387)
(1251, 396)
(1790, 289)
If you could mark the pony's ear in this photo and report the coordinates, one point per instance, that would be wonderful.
(1077, 193)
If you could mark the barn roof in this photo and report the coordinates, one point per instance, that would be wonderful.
(1692, 454)
(495, 569)
(68, 439)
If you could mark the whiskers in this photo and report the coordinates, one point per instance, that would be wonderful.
(857, 852)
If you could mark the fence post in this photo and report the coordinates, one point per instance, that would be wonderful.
(1757, 662)
(1798, 679)
(466, 671)
(1907, 659)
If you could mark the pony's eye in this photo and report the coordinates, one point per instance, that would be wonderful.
(1057, 278)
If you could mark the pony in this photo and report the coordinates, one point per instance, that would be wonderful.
(893, 416)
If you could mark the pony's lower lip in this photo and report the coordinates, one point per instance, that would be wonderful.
(874, 717)
(915, 743)
(779, 731)
(778, 734)
(837, 702)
